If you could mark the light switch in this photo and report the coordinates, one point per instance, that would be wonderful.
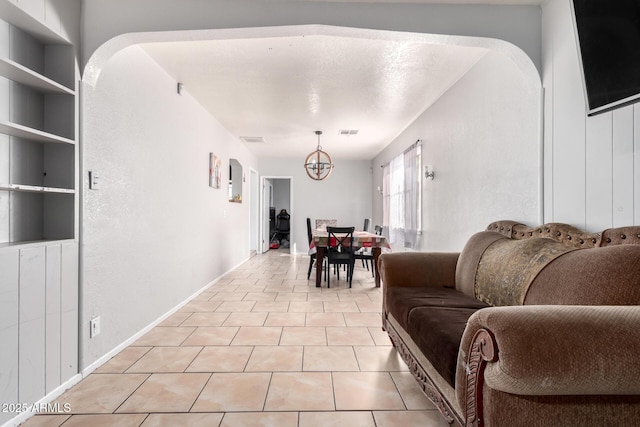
(94, 327)
(94, 180)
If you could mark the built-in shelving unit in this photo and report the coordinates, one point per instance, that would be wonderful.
(38, 201)
(37, 133)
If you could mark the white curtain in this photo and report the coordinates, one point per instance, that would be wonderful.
(396, 201)
(401, 206)
(412, 209)
(386, 184)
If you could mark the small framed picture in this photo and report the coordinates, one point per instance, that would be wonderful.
(215, 171)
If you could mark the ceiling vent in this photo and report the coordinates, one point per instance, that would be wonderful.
(253, 139)
(348, 132)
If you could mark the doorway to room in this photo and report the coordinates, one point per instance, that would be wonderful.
(276, 203)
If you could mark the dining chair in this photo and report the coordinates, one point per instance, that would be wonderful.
(323, 223)
(312, 258)
(362, 252)
(366, 254)
(340, 251)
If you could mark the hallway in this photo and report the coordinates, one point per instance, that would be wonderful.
(262, 346)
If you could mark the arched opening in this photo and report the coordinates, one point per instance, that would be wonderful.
(156, 222)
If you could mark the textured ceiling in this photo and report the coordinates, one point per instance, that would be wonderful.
(284, 88)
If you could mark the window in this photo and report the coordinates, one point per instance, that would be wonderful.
(402, 197)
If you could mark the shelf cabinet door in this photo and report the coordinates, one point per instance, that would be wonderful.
(69, 311)
(9, 266)
(52, 317)
(38, 321)
(31, 385)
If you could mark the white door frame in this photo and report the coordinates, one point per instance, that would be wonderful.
(265, 229)
(264, 222)
(254, 228)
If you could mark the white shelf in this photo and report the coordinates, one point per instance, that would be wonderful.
(35, 189)
(14, 15)
(43, 242)
(20, 131)
(21, 74)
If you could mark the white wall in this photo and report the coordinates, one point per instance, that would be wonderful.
(483, 139)
(592, 164)
(345, 195)
(154, 232)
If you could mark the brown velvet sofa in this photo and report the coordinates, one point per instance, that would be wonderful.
(525, 327)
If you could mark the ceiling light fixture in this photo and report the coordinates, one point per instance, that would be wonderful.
(318, 164)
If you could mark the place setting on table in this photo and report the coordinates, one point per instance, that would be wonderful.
(363, 245)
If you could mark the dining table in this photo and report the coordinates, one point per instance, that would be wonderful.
(361, 239)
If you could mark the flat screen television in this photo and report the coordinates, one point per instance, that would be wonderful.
(608, 34)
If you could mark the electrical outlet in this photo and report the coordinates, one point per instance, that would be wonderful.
(94, 327)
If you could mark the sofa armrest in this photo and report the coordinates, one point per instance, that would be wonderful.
(552, 350)
(418, 269)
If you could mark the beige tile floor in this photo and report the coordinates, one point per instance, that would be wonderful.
(263, 346)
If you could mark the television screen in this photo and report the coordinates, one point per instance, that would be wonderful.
(609, 42)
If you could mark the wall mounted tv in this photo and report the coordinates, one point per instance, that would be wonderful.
(609, 42)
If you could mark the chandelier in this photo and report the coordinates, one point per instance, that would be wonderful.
(318, 164)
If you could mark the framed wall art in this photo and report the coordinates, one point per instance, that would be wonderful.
(215, 171)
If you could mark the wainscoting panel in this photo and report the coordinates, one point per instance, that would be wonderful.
(623, 166)
(599, 177)
(52, 323)
(38, 320)
(31, 384)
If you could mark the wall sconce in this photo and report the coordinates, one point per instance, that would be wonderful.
(429, 173)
